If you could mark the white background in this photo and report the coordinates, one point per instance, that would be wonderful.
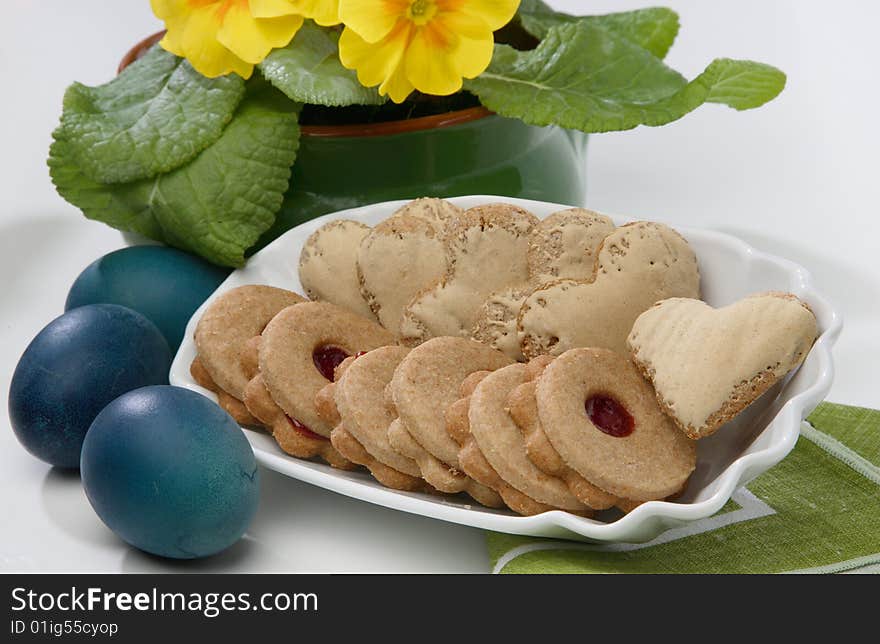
(796, 178)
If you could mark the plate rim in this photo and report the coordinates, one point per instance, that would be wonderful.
(632, 526)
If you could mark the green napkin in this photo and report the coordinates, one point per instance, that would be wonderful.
(817, 511)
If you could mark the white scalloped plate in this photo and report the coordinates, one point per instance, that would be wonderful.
(751, 444)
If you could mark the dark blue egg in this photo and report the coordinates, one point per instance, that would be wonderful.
(170, 473)
(73, 368)
(164, 284)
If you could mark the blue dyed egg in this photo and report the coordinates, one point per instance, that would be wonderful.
(164, 284)
(73, 368)
(170, 473)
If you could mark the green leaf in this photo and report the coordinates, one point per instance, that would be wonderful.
(122, 206)
(308, 70)
(218, 205)
(654, 29)
(586, 78)
(155, 116)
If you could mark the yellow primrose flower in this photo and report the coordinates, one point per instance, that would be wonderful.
(222, 36)
(428, 45)
(324, 12)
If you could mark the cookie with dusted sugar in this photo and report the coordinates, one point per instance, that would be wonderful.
(708, 364)
(603, 419)
(486, 251)
(424, 385)
(328, 265)
(300, 349)
(230, 321)
(637, 265)
(398, 259)
(493, 450)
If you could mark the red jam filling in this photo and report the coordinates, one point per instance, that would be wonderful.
(303, 430)
(327, 358)
(610, 416)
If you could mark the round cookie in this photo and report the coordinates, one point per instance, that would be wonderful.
(486, 251)
(637, 265)
(501, 442)
(347, 445)
(233, 406)
(523, 409)
(359, 395)
(291, 437)
(424, 385)
(328, 265)
(398, 259)
(300, 340)
(230, 321)
(565, 244)
(427, 381)
(602, 418)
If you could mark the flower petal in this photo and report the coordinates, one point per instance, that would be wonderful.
(251, 39)
(169, 9)
(369, 21)
(430, 64)
(494, 13)
(473, 55)
(198, 42)
(273, 8)
(379, 63)
(324, 12)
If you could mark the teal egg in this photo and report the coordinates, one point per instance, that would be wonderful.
(76, 365)
(163, 284)
(170, 473)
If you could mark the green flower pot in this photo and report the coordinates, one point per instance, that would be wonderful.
(459, 153)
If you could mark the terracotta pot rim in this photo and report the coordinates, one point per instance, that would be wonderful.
(385, 128)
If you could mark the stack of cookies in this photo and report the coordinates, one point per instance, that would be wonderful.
(562, 364)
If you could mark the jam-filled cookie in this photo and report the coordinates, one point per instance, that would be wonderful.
(493, 450)
(523, 409)
(604, 421)
(707, 365)
(231, 320)
(300, 349)
(292, 436)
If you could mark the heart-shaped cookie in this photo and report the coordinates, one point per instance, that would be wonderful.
(637, 265)
(707, 364)
(486, 250)
(328, 268)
